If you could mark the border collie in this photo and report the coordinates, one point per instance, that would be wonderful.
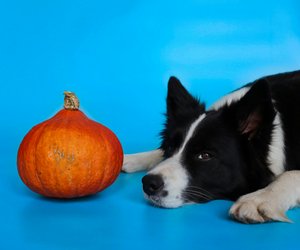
(245, 148)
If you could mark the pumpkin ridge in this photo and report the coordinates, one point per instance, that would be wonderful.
(23, 152)
(111, 161)
(97, 133)
(103, 137)
(37, 167)
(62, 128)
(57, 186)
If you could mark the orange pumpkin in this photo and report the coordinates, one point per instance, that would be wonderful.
(69, 155)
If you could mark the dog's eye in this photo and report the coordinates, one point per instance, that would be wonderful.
(204, 156)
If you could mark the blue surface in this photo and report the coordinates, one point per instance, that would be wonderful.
(117, 56)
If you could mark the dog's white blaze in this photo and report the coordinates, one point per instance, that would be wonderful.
(174, 174)
(230, 98)
(276, 157)
(190, 133)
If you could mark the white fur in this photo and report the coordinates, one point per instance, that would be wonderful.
(175, 181)
(230, 98)
(276, 155)
(142, 161)
(270, 203)
(148, 160)
(174, 174)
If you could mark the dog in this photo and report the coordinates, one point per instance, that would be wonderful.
(244, 148)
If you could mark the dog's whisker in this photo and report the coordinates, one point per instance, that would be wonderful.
(201, 190)
(198, 192)
(196, 187)
(193, 197)
(196, 195)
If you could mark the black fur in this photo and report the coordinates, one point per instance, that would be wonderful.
(236, 137)
(182, 110)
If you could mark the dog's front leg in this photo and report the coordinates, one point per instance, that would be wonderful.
(271, 202)
(142, 161)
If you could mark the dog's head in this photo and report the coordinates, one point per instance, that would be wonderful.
(214, 154)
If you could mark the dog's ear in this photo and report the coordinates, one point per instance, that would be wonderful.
(180, 103)
(255, 110)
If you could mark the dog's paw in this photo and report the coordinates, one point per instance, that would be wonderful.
(258, 207)
(132, 163)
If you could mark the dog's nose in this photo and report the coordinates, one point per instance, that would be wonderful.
(152, 184)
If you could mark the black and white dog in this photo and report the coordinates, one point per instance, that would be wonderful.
(246, 147)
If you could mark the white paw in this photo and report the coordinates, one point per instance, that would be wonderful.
(142, 161)
(258, 207)
(132, 163)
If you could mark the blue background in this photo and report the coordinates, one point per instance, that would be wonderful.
(117, 56)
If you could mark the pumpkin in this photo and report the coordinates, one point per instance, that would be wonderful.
(69, 155)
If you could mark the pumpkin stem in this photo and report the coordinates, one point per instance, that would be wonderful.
(71, 101)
